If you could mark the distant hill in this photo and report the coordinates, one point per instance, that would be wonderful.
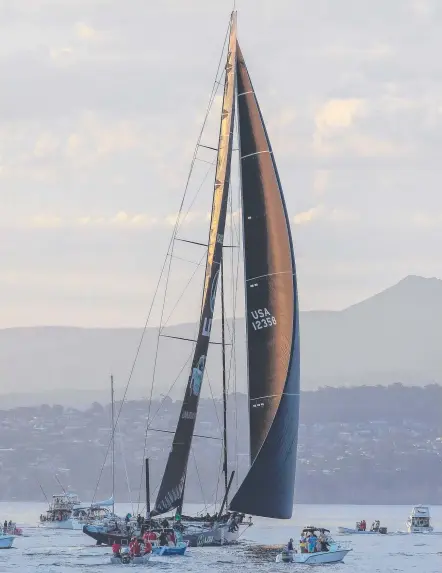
(394, 336)
(366, 445)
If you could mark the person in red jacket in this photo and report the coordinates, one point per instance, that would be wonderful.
(147, 547)
(134, 546)
(116, 548)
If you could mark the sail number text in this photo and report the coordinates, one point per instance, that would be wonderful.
(262, 318)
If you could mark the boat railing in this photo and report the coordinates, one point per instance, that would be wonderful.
(342, 545)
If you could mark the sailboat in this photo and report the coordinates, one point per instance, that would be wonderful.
(272, 328)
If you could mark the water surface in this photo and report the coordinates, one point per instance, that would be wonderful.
(50, 551)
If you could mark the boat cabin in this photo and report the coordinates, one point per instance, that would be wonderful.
(420, 516)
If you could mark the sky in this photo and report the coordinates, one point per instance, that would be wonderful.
(101, 103)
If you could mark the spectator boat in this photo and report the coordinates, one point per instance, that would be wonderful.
(6, 541)
(359, 530)
(335, 553)
(419, 520)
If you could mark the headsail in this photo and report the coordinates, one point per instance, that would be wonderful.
(272, 319)
(171, 490)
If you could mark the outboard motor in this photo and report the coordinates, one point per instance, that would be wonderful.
(287, 556)
(125, 555)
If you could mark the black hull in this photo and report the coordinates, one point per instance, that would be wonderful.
(210, 537)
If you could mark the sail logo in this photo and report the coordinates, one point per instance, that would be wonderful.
(188, 415)
(197, 376)
(207, 327)
(262, 318)
(171, 496)
(213, 291)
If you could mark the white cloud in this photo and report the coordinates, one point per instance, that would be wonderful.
(338, 114)
(121, 219)
(323, 213)
(86, 32)
(46, 145)
(321, 181)
(46, 221)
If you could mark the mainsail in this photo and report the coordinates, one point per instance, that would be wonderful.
(171, 490)
(272, 319)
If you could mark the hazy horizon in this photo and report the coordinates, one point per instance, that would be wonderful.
(229, 316)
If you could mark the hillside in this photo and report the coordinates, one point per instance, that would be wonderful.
(394, 336)
(377, 445)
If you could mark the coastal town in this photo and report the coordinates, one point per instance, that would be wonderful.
(369, 443)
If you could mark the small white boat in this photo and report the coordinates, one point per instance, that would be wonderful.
(6, 541)
(419, 520)
(335, 552)
(352, 531)
(358, 530)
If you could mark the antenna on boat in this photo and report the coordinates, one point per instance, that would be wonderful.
(147, 490)
(223, 346)
(60, 484)
(113, 442)
(226, 494)
(42, 490)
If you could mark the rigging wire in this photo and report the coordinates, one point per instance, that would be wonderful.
(199, 264)
(170, 246)
(178, 222)
(150, 421)
(199, 478)
(235, 284)
(126, 472)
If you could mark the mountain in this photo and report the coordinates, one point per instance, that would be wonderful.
(393, 336)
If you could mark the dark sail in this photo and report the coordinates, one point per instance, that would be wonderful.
(171, 490)
(272, 319)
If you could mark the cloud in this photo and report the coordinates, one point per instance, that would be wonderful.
(46, 145)
(308, 216)
(339, 113)
(121, 219)
(85, 32)
(321, 181)
(427, 220)
(46, 222)
(323, 213)
(98, 121)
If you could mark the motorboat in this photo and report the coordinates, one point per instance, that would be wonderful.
(419, 520)
(126, 558)
(6, 540)
(67, 512)
(12, 529)
(170, 550)
(59, 514)
(334, 552)
(374, 529)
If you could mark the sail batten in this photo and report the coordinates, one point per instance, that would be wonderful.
(171, 491)
(271, 319)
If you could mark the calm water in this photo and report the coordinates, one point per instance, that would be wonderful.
(46, 551)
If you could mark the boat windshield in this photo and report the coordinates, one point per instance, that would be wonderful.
(420, 521)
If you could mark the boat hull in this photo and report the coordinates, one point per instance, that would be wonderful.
(195, 537)
(65, 524)
(142, 560)
(351, 531)
(6, 541)
(170, 551)
(317, 558)
(417, 529)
